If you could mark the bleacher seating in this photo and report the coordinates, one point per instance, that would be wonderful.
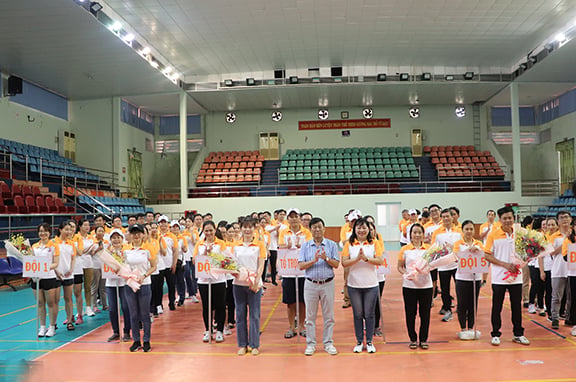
(22, 198)
(231, 167)
(348, 164)
(566, 202)
(461, 162)
(45, 161)
(125, 205)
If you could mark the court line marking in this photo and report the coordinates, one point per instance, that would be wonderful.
(16, 311)
(269, 317)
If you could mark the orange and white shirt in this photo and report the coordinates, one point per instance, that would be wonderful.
(461, 246)
(85, 243)
(172, 249)
(488, 227)
(201, 249)
(429, 229)
(404, 239)
(117, 282)
(48, 251)
(409, 254)
(139, 259)
(500, 244)
(565, 245)
(67, 251)
(559, 266)
(362, 274)
(153, 246)
(345, 232)
(96, 262)
(447, 237)
(406, 232)
(248, 255)
(287, 237)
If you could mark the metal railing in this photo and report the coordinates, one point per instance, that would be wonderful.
(54, 220)
(541, 188)
(163, 195)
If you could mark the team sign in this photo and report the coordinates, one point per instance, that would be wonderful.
(345, 124)
(571, 257)
(202, 264)
(384, 269)
(472, 262)
(108, 272)
(36, 267)
(288, 262)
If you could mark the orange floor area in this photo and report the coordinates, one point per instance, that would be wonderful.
(178, 353)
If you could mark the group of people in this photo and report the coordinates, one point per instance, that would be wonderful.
(160, 251)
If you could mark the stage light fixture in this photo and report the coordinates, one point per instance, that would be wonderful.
(404, 76)
(449, 77)
(469, 75)
(381, 77)
(95, 7)
(228, 83)
(250, 82)
(426, 76)
(293, 80)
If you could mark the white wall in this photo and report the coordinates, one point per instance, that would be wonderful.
(41, 130)
(439, 124)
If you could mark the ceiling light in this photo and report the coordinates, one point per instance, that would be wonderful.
(426, 76)
(404, 76)
(469, 75)
(228, 83)
(145, 51)
(293, 79)
(250, 82)
(154, 64)
(167, 70)
(414, 112)
(95, 7)
(460, 111)
(174, 77)
(116, 26)
(560, 37)
(449, 77)
(381, 77)
(128, 38)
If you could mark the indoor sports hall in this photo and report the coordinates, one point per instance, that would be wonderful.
(140, 114)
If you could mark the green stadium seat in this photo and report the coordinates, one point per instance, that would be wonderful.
(291, 177)
(414, 174)
(397, 174)
(340, 175)
(381, 174)
(401, 161)
(412, 167)
(331, 176)
(393, 161)
(389, 174)
(405, 174)
(404, 167)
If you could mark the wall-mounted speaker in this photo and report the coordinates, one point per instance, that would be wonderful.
(14, 85)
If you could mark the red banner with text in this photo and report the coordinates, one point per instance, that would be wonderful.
(345, 124)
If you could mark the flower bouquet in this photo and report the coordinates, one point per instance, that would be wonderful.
(18, 247)
(116, 262)
(528, 245)
(222, 263)
(434, 257)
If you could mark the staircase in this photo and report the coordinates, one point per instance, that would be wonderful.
(427, 169)
(270, 172)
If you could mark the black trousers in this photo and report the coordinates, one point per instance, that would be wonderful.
(157, 292)
(218, 305)
(378, 303)
(571, 316)
(230, 304)
(535, 285)
(515, 293)
(171, 282)
(466, 307)
(273, 258)
(417, 300)
(445, 277)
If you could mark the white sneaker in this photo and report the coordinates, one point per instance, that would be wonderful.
(309, 350)
(330, 349)
(42, 331)
(370, 347)
(159, 309)
(466, 335)
(476, 336)
(495, 341)
(358, 348)
(227, 331)
(51, 331)
(521, 340)
(219, 336)
(206, 337)
(532, 309)
(447, 317)
(90, 312)
(194, 299)
(573, 331)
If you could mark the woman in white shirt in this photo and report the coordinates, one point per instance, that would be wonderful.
(97, 286)
(65, 269)
(417, 293)
(250, 254)
(78, 275)
(49, 286)
(116, 288)
(362, 253)
(211, 244)
(142, 262)
(86, 241)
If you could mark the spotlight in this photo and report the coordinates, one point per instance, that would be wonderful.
(167, 70)
(560, 37)
(146, 51)
(404, 76)
(95, 7)
(426, 76)
(414, 112)
(449, 77)
(381, 77)
(293, 79)
(174, 77)
(250, 82)
(469, 75)
(154, 64)
(460, 111)
(128, 38)
(116, 26)
(228, 83)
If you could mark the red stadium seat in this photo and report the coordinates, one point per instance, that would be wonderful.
(20, 205)
(31, 204)
(50, 204)
(5, 190)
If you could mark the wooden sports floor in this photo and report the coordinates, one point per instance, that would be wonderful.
(179, 354)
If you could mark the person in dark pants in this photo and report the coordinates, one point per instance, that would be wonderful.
(170, 260)
(416, 291)
(499, 250)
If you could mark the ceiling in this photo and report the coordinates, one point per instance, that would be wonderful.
(59, 45)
